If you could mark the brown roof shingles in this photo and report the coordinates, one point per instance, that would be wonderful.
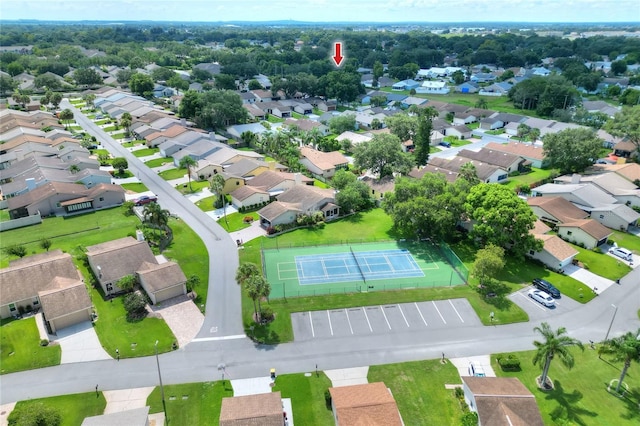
(324, 160)
(591, 227)
(119, 258)
(368, 404)
(68, 297)
(252, 410)
(558, 207)
(162, 276)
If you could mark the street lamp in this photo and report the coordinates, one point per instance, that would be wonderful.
(164, 405)
(612, 318)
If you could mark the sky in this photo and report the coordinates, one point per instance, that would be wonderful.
(327, 10)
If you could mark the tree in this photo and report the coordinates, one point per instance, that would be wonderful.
(342, 123)
(21, 98)
(618, 67)
(187, 162)
(429, 207)
(422, 138)
(162, 74)
(572, 150)
(354, 197)
(481, 103)
(34, 414)
(625, 349)
(342, 85)
(225, 82)
(126, 121)
(74, 168)
(7, 85)
(382, 155)
(127, 283)
(17, 250)
(248, 278)
(45, 243)
(458, 77)
(255, 85)
(141, 84)
(190, 104)
(404, 126)
(523, 131)
(626, 124)
(217, 187)
(192, 282)
(124, 75)
(120, 163)
(469, 173)
(500, 217)
(89, 98)
(342, 178)
(178, 82)
(47, 81)
(220, 109)
(66, 115)
(155, 215)
(135, 305)
(555, 343)
(87, 76)
(55, 99)
(378, 70)
(489, 261)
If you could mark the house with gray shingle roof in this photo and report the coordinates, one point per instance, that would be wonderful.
(300, 199)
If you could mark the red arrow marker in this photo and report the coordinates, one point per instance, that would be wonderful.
(337, 56)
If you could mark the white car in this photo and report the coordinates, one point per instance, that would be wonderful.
(542, 298)
(476, 370)
(622, 253)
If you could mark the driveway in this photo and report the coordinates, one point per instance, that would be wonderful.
(591, 280)
(462, 364)
(538, 312)
(182, 316)
(79, 343)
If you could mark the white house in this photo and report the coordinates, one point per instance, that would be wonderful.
(586, 232)
(433, 87)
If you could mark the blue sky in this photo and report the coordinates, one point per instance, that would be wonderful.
(327, 10)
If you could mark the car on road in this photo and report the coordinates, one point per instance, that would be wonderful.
(445, 144)
(476, 370)
(542, 298)
(547, 287)
(145, 199)
(622, 253)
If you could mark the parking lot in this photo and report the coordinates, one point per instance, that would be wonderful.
(536, 310)
(383, 319)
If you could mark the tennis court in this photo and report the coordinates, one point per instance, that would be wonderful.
(348, 268)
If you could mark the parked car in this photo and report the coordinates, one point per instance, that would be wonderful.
(622, 253)
(445, 144)
(547, 287)
(145, 199)
(542, 298)
(476, 370)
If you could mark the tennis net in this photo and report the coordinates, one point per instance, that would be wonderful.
(358, 264)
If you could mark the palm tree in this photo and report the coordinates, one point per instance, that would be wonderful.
(481, 103)
(217, 187)
(74, 169)
(155, 215)
(625, 348)
(187, 162)
(555, 343)
(125, 121)
(534, 134)
(245, 279)
(523, 131)
(66, 115)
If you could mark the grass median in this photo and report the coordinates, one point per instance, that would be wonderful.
(20, 347)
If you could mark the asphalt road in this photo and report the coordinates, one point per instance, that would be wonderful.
(200, 360)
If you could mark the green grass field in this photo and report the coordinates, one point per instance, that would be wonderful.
(4, 215)
(191, 404)
(145, 152)
(157, 162)
(196, 186)
(629, 241)
(602, 264)
(72, 408)
(536, 175)
(135, 187)
(580, 396)
(283, 275)
(173, 174)
(20, 347)
(307, 397)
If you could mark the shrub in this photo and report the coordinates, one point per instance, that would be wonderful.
(248, 219)
(271, 230)
(509, 362)
(459, 393)
(470, 419)
(134, 304)
(34, 414)
(44, 342)
(610, 242)
(267, 314)
(327, 398)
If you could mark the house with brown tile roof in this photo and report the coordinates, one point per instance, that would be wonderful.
(630, 171)
(486, 172)
(300, 199)
(555, 209)
(501, 401)
(556, 254)
(162, 281)
(249, 196)
(263, 409)
(49, 280)
(159, 137)
(625, 149)
(587, 233)
(323, 164)
(451, 176)
(504, 160)
(530, 152)
(368, 404)
(275, 182)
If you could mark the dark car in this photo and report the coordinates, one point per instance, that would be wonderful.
(445, 144)
(547, 287)
(145, 199)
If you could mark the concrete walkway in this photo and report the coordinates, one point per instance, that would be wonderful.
(462, 364)
(252, 386)
(5, 410)
(348, 376)
(182, 316)
(194, 198)
(79, 343)
(588, 278)
(126, 399)
(248, 234)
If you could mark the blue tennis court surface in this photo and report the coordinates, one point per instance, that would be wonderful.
(349, 266)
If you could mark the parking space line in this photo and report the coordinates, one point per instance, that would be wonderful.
(385, 317)
(348, 320)
(405, 318)
(454, 308)
(367, 317)
(536, 304)
(313, 333)
(418, 308)
(438, 310)
(330, 326)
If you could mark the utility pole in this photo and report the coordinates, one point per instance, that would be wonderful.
(164, 405)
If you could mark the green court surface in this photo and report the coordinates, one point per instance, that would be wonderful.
(359, 267)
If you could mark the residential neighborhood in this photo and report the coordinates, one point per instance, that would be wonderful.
(232, 230)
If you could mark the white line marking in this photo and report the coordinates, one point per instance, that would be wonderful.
(405, 318)
(324, 268)
(367, 317)
(330, 326)
(210, 339)
(385, 317)
(454, 308)
(423, 320)
(441, 317)
(536, 304)
(313, 333)
(350, 328)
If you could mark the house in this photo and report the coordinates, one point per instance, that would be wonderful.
(405, 85)
(531, 153)
(467, 87)
(459, 131)
(556, 254)
(379, 186)
(264, 409)
(449, 175)
(162, 281)
(133, 417)
(629, 171)
(160, 91)
(555, 210)
(482, 77)
(276, 182)
(433, 87)
(485, 172)
(370, 404)
(506, 161)
(49, 280)
(255, 113)
(353, 137)
(464, 118)
(262, 95)
(322, 164)
(625, 149)
(62, 199)
(298, 200)
(328, 105)
(501, 401)
(615, 216)
(306, 125)
(615, 185)
(496, 89)
(237, 130)
(303, 108)
(491, 123)
(246, 196)
(586, 233)
(198, 150)
(155, 139)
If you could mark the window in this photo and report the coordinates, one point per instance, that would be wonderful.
(601, 216)
(237, 182)
(36, 302)
(569, 232)
(12, 307)
(531, 252)
(101, 198)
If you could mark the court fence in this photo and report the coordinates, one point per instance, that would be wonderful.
(454, 260)
(282, 291)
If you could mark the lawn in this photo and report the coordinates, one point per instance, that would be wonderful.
(274, 119)
(196, 186)
(145, 152)
(623, 239)
(602, 264)
(119, 136)
(206, 204)
(580, 396)
(535, 176)
(192, 403)
(102, 121)
(135, 187)
(418, 388)
(4, 215)
(236, 221)
(20, 347)
(307, 397)
(111, 128)
(172, 174)
(72, 408)
(157, 162)
(133, 143)
(320, 184)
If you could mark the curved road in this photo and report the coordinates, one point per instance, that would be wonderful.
(199, 360)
